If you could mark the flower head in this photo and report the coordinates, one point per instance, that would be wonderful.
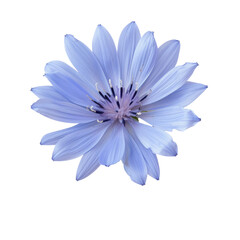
(109, 92)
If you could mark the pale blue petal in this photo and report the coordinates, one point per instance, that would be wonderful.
(134, 163)
(48, 92)
(126, 47)
(150, 158)
(144, 58)
(53, 137)
(182, 97)
(104, 48)
(170, 82)
(66, 79)
(113, 147)
(88, 164)
(169, 118)
(63, 111)
(166, 59)
(85, 62)
(69, 89)
(159, 141)
(79, 142)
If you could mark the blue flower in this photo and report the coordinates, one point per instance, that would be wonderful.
(109, 92)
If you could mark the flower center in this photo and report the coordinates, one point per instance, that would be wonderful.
(121, 104)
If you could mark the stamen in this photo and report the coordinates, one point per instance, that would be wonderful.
(99, 121)
(139, 113)
(100, 105)
(107, 98)
(110, 84)
(135, 93)
(123, 122)
(143, 98)
(106, 120)
(130, 89)
(117, 101)
(121, 89)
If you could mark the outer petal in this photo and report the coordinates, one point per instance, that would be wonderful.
(114, 146)
(63, 111)
(105, 50)
(167, 56)
(79, 142)
(69, 88)
(159, 141)
(150, 158)
(144, 58)
(71, 75)
(169, 118)
(85, 62)
(53, 137)
(88, 164)
(126, 47)
(170, 82)
(48, 92)
(182, 97)
(134, 163)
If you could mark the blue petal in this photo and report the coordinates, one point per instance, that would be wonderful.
(144, 58)
(63, 111)
(66, 80)
(159, 141)
(166, 59)
(79, 142)
(169, 118)
(170, 82)
(85, 62)
(182, 97)
(88, 164)
(126, 47)
(69, 89)
(150, 158)
(53, 137)
(134, 163)
(105, 50)
(48, 92)
(114, 145)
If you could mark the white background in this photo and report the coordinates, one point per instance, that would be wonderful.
(197, 196)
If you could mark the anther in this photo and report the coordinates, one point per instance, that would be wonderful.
(130, 89)
(99, 121)
(123, 122)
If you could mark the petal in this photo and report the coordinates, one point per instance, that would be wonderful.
(48, 92)
(134, 163)
(105, 50)
(88, 164)
(114, 145)
(166, 59)
(85, 62)
(144, 58)
(126, 47)
(169, 118)
(151, 160)
(79, 142)
(63, 111)
(182, 97)
(69, 89)
(170, 82)
(66, 80)
(159, 141)
(53, 137)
